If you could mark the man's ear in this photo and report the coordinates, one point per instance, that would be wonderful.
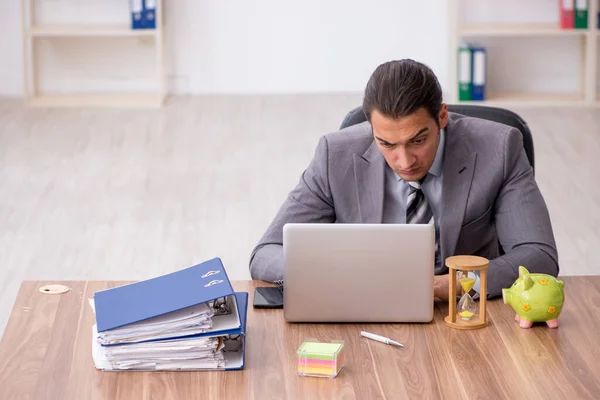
(443, 116)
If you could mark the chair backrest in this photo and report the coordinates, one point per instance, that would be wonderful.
(496, 114)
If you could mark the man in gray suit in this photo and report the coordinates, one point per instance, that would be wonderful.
(413, 162)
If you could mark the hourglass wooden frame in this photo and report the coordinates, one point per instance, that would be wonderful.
(466, 264)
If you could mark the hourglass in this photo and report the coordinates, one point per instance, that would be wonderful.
(466, 314)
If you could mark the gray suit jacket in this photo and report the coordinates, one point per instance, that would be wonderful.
(489, 198)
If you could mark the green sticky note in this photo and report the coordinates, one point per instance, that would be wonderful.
(322, 351)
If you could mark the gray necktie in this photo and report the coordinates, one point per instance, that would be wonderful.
(417, 207)
(419, 212)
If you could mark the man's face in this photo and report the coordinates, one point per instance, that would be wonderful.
(409, 144)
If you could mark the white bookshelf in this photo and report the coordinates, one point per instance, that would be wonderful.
(34, 31)
(598, 68)
(519, 99)
(89, 31)
(507, 34)
(517, 30)
(120, 100)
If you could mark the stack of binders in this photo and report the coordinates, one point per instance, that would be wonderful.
(187, 320)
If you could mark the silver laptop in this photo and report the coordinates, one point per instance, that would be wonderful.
(358, 272)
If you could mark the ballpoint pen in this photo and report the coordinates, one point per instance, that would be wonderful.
(381, 339)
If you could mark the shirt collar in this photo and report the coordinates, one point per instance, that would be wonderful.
(436, 167)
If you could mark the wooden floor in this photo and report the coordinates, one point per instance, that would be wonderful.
(127, 195)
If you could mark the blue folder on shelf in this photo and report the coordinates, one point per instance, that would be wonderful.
(150, 14)
(143, 14)
(137, 14)
(479, 55)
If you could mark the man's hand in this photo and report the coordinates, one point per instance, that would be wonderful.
(441, 287)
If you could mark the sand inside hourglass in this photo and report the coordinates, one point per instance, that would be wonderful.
(467, 285)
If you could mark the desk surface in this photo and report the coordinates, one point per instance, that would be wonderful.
(46, 353)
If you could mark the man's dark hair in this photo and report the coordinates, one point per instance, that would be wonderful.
(399, 88)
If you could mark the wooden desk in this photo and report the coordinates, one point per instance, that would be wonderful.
(46, 353)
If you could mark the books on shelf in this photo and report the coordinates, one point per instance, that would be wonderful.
(187, 320)
(472, 72)
(143, 14)
(581, 14)
(567, 14)
(465, 73)
(575, 29)
(574, 14)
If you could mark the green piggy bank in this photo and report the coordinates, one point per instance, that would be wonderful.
(535, 298)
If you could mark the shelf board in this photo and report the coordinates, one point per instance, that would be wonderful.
(531, 99)
(117, 100)
(88, 31)
(519, 30)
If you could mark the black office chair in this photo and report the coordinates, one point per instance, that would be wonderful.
(495, 114)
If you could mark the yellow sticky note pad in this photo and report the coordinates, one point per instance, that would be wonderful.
(320, 359)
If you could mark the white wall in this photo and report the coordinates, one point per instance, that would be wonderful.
(260, 46)
(508, 11)
(274, 46)
(308, 46)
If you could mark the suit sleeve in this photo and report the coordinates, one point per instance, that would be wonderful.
(309, 202)
(522, 222)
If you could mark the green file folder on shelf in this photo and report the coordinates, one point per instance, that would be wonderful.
(581, 14)
(465, 74)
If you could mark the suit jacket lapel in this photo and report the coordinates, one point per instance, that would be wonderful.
(369, 173)
(459, 166)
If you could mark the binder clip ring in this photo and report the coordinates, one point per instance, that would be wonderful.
(221, 306)
(232, 339)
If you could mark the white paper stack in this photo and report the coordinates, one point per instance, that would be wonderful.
(190, 321)
(197, 353)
